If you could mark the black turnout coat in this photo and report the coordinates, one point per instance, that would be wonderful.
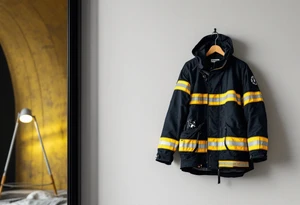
(216, 118)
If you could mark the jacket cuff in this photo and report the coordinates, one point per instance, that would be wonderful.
(164, 156)
(258, 155)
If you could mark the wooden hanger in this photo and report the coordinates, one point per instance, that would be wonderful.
(215, 48)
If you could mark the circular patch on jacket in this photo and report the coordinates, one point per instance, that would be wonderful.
(253, 80)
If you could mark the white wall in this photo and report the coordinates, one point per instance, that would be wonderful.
(133, 52)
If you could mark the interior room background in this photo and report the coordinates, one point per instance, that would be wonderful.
(33, 37)
(132, 55)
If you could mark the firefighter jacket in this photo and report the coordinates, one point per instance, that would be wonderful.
(216, 118)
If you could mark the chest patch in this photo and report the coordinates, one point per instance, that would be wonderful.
(253, 80)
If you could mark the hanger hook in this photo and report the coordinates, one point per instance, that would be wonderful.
(216, 39)
(215, 32)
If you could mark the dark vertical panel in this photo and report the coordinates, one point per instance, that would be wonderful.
(7, 118)
(74, 99)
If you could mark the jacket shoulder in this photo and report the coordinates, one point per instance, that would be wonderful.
(192, 63)
(190, 66)
(239, 64)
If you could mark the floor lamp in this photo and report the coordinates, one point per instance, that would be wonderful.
(25, 116)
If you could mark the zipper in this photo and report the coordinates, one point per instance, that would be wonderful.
(205, 77)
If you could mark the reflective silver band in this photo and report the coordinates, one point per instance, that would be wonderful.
(252, 97)
(184, 86)
(192, 145)
(257, 142)
(228, 143)
(168, 143)
(228, 96)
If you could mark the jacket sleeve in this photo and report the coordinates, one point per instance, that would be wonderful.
(175, 119)
(256, 118)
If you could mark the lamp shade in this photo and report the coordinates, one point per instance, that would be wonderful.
(25, 115)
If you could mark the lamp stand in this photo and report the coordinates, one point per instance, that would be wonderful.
(10, 151)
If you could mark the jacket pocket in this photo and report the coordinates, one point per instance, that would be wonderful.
(191, 132)
(189, 140)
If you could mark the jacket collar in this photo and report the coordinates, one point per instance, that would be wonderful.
(200, 50)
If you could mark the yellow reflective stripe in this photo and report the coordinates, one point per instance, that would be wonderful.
(232, 143)
(225, 101)
(215, 99)
(230, 147)
(224, 94)
(189, 145)
(252, 97)
(221, 99)
(214, 144)
(258, 138)
(228, 138)
(183, 89)
(199, 98)
(258, 143)
(199, 95)
(253, 101)
(228, 163)
(251, 93)
(183, 86)
(166, 147)
(183, 82)
(168, 143)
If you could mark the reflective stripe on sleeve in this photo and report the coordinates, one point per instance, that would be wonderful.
(252, 97)
(183, 86)
(232, 143)
(168, 143)
(189, 145)
(257, 143)
(228, 163)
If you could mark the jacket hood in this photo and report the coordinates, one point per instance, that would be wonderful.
(206, 42)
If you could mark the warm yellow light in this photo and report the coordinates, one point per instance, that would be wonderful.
(25, 115)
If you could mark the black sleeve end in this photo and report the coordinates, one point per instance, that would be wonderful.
(165, 162)
(258, 156)
(164, 156)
